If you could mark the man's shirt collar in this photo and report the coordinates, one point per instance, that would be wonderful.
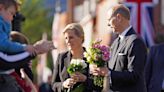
(122, 35)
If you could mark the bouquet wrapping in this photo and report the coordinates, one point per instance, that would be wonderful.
(99, 55)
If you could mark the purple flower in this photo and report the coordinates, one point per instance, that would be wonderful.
(105, 58)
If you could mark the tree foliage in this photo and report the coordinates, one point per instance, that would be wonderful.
(36, 21)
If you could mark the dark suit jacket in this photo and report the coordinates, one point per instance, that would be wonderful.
(154, 70)
(60, 71)
(127, 64)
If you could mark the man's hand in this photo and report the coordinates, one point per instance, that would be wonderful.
(30, 49)
(43, 46)
(94, 70)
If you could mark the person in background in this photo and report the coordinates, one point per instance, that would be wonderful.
(45, 86)
(23, 75)
(17, 21)
(125, 69)
(20, 38)
(18, 18)
(62, 81)
(154, 70)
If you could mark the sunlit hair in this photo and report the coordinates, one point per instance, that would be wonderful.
(76, 28)
(8, 3)
(122, 10)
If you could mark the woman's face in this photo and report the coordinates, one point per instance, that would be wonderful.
(73, 41)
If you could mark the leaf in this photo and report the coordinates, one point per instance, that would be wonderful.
(79, 88)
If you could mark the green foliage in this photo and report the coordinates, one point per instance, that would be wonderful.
(50, 61)
(98, 80)
(35, 24)
(79, 88)
(98, 55)
(73, 68)
(93, 56)
(36, 21)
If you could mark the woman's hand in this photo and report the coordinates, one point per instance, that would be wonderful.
(79, 77)
(68, 83)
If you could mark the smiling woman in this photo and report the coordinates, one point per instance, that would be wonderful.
(74, 38)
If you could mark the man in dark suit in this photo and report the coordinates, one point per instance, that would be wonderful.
(125, 69)
(154, 70)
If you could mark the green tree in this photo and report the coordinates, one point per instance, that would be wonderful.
(36, 21)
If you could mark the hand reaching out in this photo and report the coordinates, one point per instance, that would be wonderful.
(30, 49)
(43, 46)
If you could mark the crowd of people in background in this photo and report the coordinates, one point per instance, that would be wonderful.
(131, 68)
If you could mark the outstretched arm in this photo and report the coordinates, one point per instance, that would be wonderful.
(19, 59)
(14, 61)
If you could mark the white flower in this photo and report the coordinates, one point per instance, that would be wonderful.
(83, 64)
(79, 62)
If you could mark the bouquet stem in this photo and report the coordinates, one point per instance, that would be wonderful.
(98, 80)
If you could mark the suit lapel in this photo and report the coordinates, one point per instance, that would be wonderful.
(122, 44)
(67, 60)
(113, 53)
(116, 50)
(115, 46)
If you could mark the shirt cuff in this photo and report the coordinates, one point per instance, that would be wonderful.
(109, 74)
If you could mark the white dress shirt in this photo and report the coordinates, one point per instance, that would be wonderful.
(122, 35)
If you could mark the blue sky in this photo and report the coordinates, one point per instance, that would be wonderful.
(51, 4)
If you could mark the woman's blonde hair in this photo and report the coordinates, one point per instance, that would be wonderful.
(76, 28)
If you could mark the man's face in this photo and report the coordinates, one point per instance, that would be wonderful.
(8, 13)
(112, 21)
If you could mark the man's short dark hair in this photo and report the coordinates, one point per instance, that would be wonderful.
(123, 10)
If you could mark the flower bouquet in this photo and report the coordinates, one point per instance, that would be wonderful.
(99, 55)
(77, 65)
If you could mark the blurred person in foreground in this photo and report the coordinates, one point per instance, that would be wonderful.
(62, 81)
(8, 9)
(23, 75)
(125, 69)
(154, 70)
(9, 62)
